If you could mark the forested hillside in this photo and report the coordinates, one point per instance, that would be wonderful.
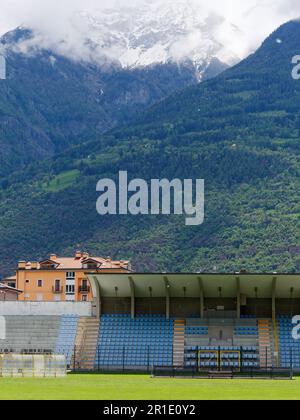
(239, 131)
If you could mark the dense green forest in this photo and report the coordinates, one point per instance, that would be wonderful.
(238, 131)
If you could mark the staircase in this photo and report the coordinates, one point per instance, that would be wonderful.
(265, 343)
(178, 342)
(86, 343)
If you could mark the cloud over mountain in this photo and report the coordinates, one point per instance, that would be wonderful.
(137, 32)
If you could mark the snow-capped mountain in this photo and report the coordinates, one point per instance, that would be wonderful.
(157, 33)
(142, 35)
(96, 71)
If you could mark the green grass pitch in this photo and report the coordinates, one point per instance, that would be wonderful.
(138, 387)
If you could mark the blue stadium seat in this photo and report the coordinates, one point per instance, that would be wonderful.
(288, 347)
(66, 338)
(144, 341)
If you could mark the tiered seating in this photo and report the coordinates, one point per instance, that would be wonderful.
(66, 337)
(224, 357)
(288, 347)
(250, 357)
(144, 341)
(196, 330)
(30, 334)
(247, 330)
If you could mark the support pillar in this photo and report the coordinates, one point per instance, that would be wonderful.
(274, 284)
(168, 296)
(201, 288)
(96, 304)
(132, 296)
(276, 342)
(238, 297)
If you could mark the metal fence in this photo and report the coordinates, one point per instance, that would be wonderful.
(246, 373)
(120, 358)
(147, 358)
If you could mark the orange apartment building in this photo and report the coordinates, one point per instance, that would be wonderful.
(63, 279)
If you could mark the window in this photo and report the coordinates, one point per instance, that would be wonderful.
(48, 265)
(40, 283)
(91, 266)
(70, 286)
(70, 289)
(57, 286)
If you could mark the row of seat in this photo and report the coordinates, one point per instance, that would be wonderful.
(135, 342)
(66, 337)
(224, 348)
(196, 330)
(246, 331)
(224, 356)
(223, 365)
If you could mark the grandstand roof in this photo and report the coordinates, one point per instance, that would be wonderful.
(190, 285)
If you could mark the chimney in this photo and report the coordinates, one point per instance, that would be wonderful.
(85, 255)
(78, 255)
(34, 265)
(53, 257)
(21, 265)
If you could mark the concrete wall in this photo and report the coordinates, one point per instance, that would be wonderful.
(115, 305)
(45, 308)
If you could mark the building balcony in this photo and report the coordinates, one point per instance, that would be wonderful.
(84, 289)
(57, 290)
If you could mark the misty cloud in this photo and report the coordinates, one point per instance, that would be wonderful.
(127, 31)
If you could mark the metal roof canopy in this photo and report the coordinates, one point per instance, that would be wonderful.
(190, 285)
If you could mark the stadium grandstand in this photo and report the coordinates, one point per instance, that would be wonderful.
(221, 322)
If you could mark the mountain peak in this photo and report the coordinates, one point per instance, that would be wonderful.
(18, 35)
(159, 33)
(150, 34)
(284, 39)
